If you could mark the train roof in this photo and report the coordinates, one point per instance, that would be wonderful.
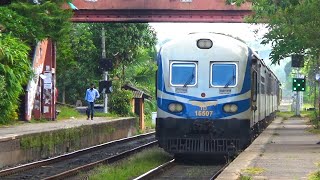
(237, 40)
(256, 55)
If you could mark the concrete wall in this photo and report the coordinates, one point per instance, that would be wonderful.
(32, 147)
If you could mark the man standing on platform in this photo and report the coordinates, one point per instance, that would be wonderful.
(91, 95)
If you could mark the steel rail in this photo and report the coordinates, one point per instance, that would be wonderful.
(108, 160)
(25, 167)
(219, 172)
(156, 171)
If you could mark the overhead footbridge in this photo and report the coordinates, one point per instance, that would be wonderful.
(158, 11)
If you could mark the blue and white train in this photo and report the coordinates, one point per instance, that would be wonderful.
(214, 95)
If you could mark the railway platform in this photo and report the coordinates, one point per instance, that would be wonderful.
(13, 131)
(29, 142)
(284, 150)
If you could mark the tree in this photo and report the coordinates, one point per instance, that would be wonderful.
(22, 25)
(15, 71)
(79, 55)
(123, 41)
(292, 26)
(77, 61)
(35, 22)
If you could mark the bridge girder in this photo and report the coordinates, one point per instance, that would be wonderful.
(158, 11)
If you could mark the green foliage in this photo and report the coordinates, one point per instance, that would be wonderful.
(70, 135)
(254, 170)
(22, 25)
(77, 65)
(285, 115)
(120, 101)
(2, 86)
(292, 26)
(35, 22)
(79, 55)
(133, 166)
(15, 71)
(124, 42)
(310, 70)
(142, 74)
(314, 176)
(67, 112)
(243, 177)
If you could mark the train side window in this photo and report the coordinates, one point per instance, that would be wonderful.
(223, 74)
(183, 74)
(254, 86)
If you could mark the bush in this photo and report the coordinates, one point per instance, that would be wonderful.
(120, 102)
(15, 72)
(2, 88)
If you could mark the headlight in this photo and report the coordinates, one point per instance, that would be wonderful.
(227, 108)
(234, 108)
(204, 43)
(230, 108)
(175, 107)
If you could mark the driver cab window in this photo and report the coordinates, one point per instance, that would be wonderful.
(183, 74)
(223, 74)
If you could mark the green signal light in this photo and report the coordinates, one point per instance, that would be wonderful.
(298, 84)
(302, 89)
(294, 80)
(294, 88)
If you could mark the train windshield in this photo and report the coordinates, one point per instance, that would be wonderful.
(183, 74)
(223, 75)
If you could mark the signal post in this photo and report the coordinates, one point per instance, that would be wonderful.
(298, 83)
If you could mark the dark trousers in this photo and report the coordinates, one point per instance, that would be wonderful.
(90, 109)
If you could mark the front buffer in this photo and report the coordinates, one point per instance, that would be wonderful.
(202, 136)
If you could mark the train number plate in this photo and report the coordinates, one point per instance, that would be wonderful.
(204, 113)
(181, 90)
(224, 91)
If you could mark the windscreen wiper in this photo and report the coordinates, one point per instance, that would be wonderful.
(230, 81)
(189, 80)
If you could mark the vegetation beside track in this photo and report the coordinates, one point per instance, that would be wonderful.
(133, 166)
(311, 115)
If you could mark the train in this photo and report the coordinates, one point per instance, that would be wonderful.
(214, 95)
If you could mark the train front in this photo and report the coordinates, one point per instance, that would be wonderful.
(203, 95)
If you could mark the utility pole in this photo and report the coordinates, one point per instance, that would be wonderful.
(105, 73)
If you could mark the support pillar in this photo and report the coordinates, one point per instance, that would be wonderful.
(48, 86)
(141, 114)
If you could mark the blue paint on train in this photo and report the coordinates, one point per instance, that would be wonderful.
(189, 111)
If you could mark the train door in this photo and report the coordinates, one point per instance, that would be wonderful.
(254, 92)
(268, 94)
(272, 97)
(259, 91)
(263, 92)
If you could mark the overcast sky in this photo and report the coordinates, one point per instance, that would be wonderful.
(241, 30)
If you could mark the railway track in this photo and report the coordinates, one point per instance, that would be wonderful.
(71, 164)
(176, 170)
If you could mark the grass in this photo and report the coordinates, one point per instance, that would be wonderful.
(148, 124)
(314, 176)
(285, 115)
(131, 167)
(314, 131)
(311, 115)
(253, 170)
(101, 114)
(243, 177)
(67, 113)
